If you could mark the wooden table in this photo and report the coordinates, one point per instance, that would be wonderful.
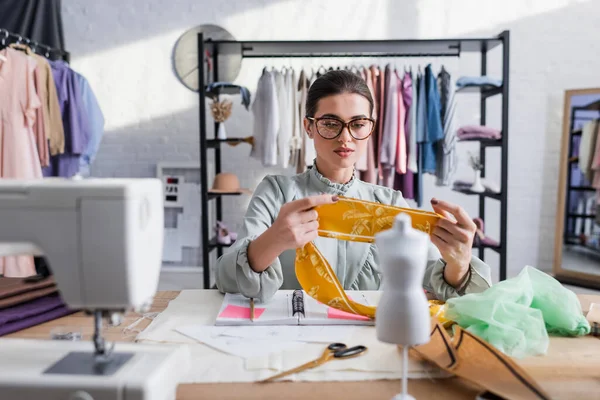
(571, 370)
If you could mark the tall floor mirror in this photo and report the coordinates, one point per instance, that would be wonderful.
(577, 246)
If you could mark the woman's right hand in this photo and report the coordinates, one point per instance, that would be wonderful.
(297, 222)
(295, 226)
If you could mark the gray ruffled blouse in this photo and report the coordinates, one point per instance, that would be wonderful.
(355, 264)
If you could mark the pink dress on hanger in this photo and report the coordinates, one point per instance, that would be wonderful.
(19, 158)
(367, 167)
(401, 157)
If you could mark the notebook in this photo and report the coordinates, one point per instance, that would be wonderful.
(290, 307)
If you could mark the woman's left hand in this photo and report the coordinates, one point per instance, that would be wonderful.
(453, 236)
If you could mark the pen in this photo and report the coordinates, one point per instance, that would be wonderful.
(252, 310)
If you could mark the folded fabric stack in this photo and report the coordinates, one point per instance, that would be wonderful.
(462, 185)
(26, 302)
(465, 81)
(214, 88)
(478, 132)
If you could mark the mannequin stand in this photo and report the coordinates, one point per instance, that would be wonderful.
(404, 395)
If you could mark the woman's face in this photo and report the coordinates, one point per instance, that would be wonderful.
(344, 150)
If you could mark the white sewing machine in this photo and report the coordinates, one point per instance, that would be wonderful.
(103, 241)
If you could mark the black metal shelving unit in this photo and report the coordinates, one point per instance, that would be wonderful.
(362, 48)
(568, 237)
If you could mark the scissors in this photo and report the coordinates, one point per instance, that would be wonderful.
(334, 351)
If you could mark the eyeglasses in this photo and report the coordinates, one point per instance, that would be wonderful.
(330, 128)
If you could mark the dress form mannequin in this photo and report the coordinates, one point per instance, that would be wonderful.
(403, 313)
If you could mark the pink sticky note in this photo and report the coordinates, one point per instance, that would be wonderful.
(334, 313)
(232, 311)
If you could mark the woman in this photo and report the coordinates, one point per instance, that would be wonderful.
(280, 217)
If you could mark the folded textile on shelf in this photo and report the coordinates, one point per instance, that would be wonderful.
(478, 132)
(213, 90)
(480, 236)
(32, 313)
(13, 286)
(15, 291)
(464, 81)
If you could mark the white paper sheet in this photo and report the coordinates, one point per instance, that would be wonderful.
(309, 334)
(238, 346)
(172, 246)
(189, 230)
(379, 357)
(200, 308)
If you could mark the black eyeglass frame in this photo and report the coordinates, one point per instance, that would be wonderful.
(344, 125)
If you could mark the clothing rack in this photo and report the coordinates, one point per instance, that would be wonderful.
(569, 216)
(361, 48)
(7, 38)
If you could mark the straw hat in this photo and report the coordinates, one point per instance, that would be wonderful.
(226, 182)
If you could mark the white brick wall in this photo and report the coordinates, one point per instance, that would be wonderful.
(124, 48)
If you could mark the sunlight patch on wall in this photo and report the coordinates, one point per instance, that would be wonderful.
(438, 18)
(135, 82)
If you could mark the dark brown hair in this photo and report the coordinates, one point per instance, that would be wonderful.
(336, 82)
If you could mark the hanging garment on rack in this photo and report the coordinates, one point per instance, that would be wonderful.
(369, 174)
(412, 163)
(400, 163)
(384, 77)
(410, 102)
(434, 132)
(284, 118)
(40, 127)
(50, 107)
(95, 119)
(421, 122)
(301, 106)
(308, 144)
(266, 120)
(297, 122)
(361, 163)
(19, 158)
(388, 145)
(405, 182)
(75, 122)
(447, 160)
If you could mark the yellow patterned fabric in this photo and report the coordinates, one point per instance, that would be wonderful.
(353, 220)
(437, 309)
(359, 220)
